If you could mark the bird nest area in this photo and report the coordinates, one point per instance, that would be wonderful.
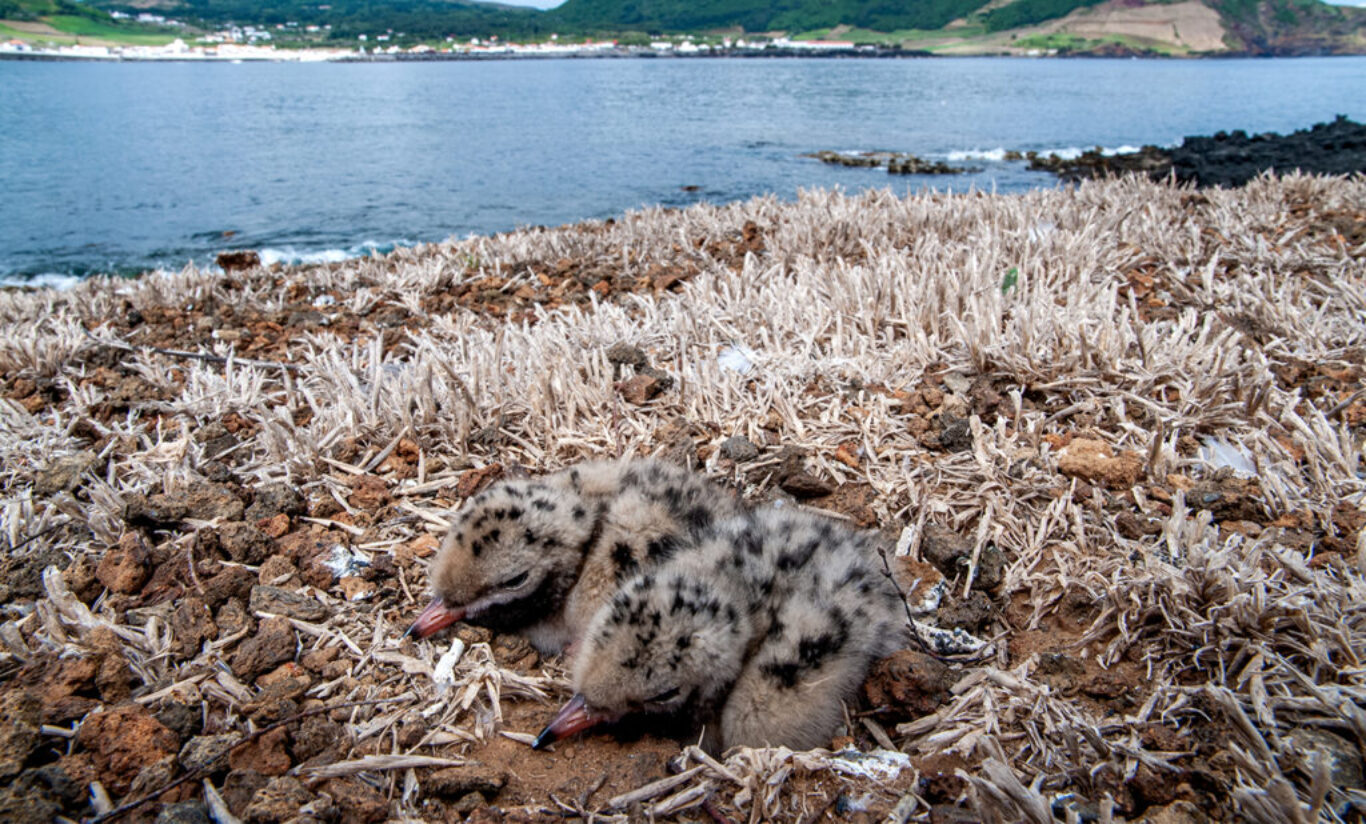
(1112, 436)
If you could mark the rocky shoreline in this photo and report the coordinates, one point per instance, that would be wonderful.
(1224, 159)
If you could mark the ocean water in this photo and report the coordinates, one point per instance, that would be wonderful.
(130, 166)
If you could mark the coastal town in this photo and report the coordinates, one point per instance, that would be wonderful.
(252, 43)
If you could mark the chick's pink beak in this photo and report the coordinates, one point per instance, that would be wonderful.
(437, 616)
(574, 717)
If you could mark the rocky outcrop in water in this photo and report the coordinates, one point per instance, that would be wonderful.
(896, 163)
(1227, 158)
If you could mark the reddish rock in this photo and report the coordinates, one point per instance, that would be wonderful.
(1096, 462)
(272, 645)
(274, 527)
(908, 684)
(640, 389)
(122, 741)
(369, 493)
(125, 568)
(473, 480)
(267, 755)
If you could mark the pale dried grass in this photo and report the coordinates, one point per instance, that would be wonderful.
(850, 293)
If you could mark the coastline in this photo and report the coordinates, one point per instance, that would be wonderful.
(1111, 431)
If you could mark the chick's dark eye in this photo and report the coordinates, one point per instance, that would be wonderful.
(514, 582)
(663, 697)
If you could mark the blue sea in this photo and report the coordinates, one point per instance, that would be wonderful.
(130, 166)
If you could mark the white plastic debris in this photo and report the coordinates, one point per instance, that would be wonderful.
(878, 765)
(1219, 453)
(737, 358)
(444, 673)
(344, 562)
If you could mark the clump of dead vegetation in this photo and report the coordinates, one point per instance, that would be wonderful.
(1113, 436)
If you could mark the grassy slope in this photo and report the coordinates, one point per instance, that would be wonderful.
(76, 23)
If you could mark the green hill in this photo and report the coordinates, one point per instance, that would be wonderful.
(760, 16)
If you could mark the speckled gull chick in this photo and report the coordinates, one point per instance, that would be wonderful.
(541, 556)
(760, 635)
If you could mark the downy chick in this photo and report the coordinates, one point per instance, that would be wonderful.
(760, 634)
(540, 557)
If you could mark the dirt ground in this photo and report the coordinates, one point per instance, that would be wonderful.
(211, 561)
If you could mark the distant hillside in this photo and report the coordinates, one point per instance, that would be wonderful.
(417, 18)
(1108, 27)
(761, 16)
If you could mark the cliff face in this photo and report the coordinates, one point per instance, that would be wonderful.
(1293, 27)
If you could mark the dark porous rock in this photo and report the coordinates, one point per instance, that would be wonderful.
(41, 794)
(232, 582)
(897, 163)
(456, 782)
(185, 720)
(969, 614)
(318, 735)
(278, 801)
(184, 812)
(624, 354)
(908, 684)
(275, 499)
(191, 625)
(20, 720)
(238, 260)
(805, 485)
(947, 550)
(1229, 498)
(956, 436)
(738, 448)
(356, 802)
(154, 776)
(239, 788)
(243, 543)
(206, 751)
(272, 645)
(27, 803)
(1234, 158)
(909, 164)
(991, 568)
(208, 502)
(1226, 158)
(62, 474)
(279, 601)
(1094, 163)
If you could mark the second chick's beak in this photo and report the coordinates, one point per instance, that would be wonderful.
(436, 617)
(575, 716)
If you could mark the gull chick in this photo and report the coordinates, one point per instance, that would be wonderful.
(541, 556)
(761, 634)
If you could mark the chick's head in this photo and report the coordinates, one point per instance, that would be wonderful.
(666, 640)
(512, 553)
